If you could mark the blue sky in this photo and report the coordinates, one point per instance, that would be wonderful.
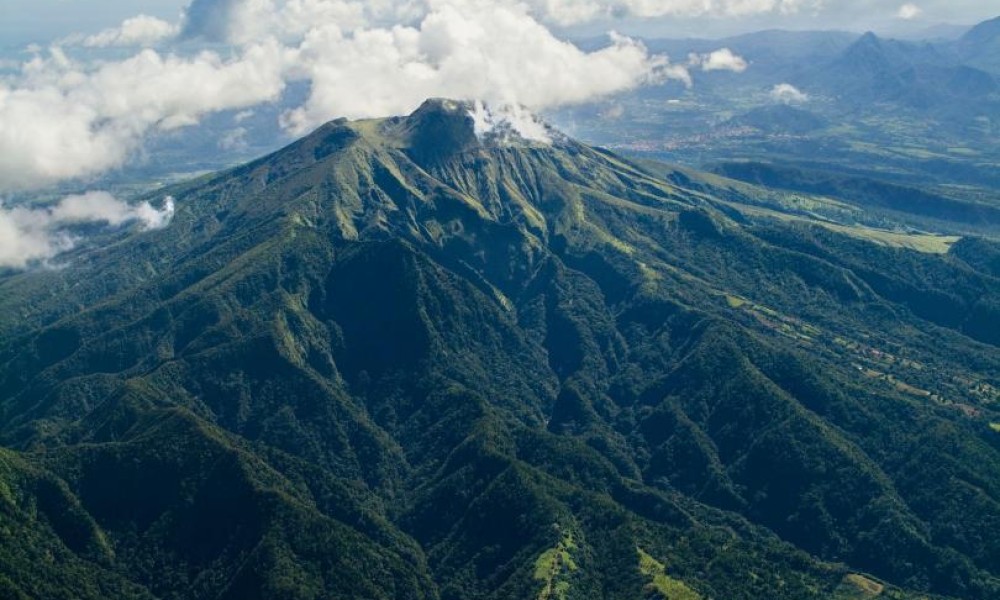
(24, 21)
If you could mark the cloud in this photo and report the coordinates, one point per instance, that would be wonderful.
(142, 30)
(720, 60)
(234, 139)
(909, 12)
(243, 115)
(33, 235)
(63, 119)
(506, 121)
(787, 93)
(571, 12)
(66, 121)
(473, 50)
(240, 21)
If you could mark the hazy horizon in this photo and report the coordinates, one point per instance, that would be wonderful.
(42, 21)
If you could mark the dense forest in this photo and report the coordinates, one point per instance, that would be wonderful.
(399, 360)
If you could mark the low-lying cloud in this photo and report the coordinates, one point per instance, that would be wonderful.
(37, 235)
(507, 121)
(721, 60)
(787, 93)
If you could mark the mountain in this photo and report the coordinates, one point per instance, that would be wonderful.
(413, 358)
(980, 46)
(927, 81)
(774, 55)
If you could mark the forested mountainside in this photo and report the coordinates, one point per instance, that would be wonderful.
(398, 359)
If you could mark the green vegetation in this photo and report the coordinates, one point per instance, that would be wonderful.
(900, 203)
(735, 302)
(382, 362)
(553, 568)
(662, 585)
(858, 587)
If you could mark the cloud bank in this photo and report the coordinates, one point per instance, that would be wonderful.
(479, 51)
(63, 118)
(33, 235)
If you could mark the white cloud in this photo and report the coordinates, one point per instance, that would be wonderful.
(142, 30)
(909, 12)
(787, 93)
(60, 119)
(234, 139)
(463, 50)
(64, 120)
(243, 115)
(508, 120)
(241, 20)
(32, 235)
(720, 60)
(569, 12)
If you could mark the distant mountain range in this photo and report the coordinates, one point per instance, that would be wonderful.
(866, 68)
(914, 75)
(922, 114)
(398, 359)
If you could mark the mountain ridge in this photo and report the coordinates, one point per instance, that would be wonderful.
(457, 362)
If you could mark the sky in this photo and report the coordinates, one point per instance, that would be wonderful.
(40, 21)
(25, 21)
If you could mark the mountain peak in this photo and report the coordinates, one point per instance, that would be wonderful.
(439, 128)
(869, 38)
(441, 112)
(867, 54)
(442, 127)
(869, 43)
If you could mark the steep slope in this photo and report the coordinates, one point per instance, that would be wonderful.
(980, 46)
(398, 359)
